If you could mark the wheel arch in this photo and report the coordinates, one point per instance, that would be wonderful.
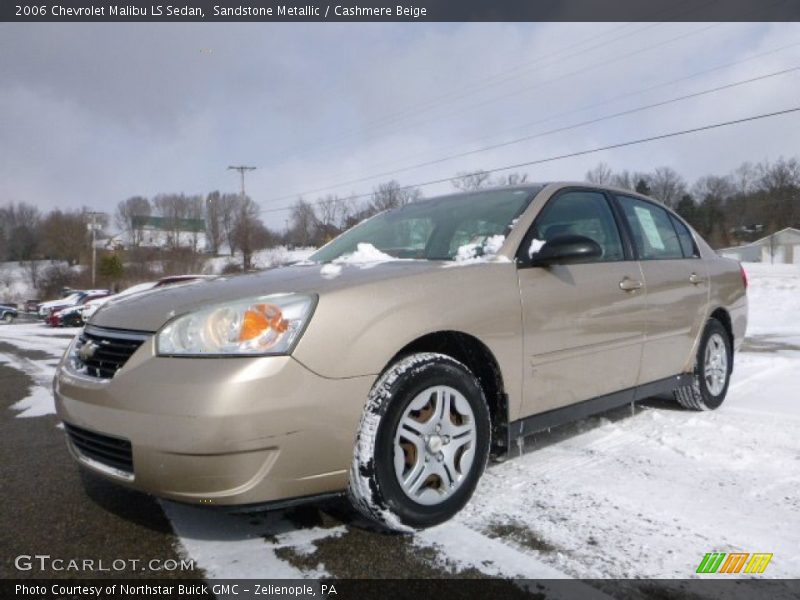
(724, 317)
(478, 358)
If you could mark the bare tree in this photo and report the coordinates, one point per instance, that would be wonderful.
(779, 184)
(24, 222)
(247, 230)
(713, 186)
(230, 206)
(127, 210)
(471, 181)
(667, 185)
(303, 223)
(213, 216)
(625, 180)
(600, 175)
(510, 179)
(332, 213)
(744, 178)
(194, 211)
(390, 195)
(64, 235)
(173, 209)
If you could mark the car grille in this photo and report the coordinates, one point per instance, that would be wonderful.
(109, 451)
(102, 352)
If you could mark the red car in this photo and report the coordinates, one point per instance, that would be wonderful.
(54, 319)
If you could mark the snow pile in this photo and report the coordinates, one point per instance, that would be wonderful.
(234, 546)
(35, 338)
(480, 252)
(330, 270)
(535, 246)
(775, 286)
(365, 253)
(15, 285)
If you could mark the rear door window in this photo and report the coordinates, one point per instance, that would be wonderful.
(654, 236)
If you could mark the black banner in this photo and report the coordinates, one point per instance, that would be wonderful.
(398, 589)
(399, 10)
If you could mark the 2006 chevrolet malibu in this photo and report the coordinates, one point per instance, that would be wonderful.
(405, 353)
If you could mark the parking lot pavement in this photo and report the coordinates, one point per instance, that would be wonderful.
(49, 507)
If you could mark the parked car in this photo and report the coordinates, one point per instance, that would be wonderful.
(71, 316)
(32, 306)
(405, 353)
(47, 308)
(91, 307)
(8, 313)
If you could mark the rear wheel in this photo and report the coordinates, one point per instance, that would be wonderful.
(422, 444)
(712, 370)
(8, 318)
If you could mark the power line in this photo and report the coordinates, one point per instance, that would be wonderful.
(338, 143)
(345, 139)
(541, 134)
(611, 100)
(625, 144)
(478, 85)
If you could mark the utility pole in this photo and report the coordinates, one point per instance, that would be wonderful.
(242, 170)
(93, 227)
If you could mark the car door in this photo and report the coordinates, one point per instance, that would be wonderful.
(583, 324)
(677, 286)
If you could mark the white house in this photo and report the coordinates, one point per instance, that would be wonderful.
(780, 247)
(163, 232)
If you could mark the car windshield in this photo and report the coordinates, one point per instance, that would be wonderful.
(445, 228)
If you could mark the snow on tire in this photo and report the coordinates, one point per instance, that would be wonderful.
(422, 443)
(712, 370)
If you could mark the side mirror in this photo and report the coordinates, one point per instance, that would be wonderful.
(566, 249)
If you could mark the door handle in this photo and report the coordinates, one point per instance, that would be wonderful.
(695, 279)
(629, 285)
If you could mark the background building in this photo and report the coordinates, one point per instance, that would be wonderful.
(166, 232)
(780, 247)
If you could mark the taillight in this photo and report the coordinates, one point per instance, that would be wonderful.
(744, 276)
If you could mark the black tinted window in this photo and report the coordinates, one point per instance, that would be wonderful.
(580, 213)
(685, 238)
(653, 233)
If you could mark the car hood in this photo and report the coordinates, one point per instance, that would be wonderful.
(150, 310)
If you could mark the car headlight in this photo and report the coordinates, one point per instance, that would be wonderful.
(256, 326)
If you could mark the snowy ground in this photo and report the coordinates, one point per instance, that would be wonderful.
(263, 259)
(641, 495)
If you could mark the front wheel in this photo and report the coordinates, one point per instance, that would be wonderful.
(8, 318)
(712, 372)
(422, 444)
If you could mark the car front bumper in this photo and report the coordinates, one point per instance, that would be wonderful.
(225, 431)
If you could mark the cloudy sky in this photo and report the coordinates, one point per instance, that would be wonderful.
(91, 114)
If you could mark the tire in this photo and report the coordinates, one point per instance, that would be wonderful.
(711, 375)
(398, 440)
(8, 318)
